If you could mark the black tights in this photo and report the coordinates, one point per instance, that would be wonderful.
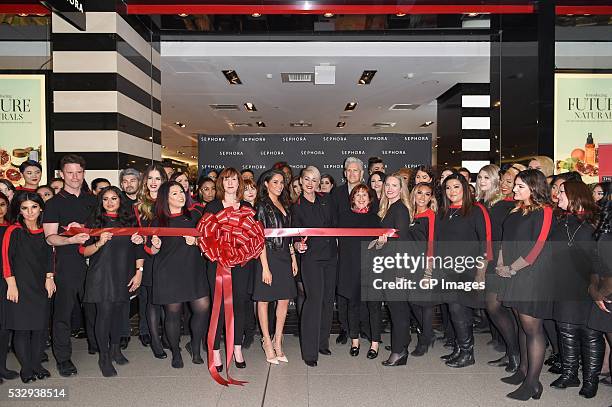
(424, 316)
(154, 317)
(504, 321)
(108, 324)
(4, 341)
(198, 323)
(532, 342)
(28, 349)
(550, 327)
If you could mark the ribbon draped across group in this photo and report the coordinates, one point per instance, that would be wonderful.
(229, 238)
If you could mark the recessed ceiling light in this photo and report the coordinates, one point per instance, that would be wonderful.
(328, 15)
(341, 124)
(256, 15)
(301, 123)
(497, 104)
(250, 107)
(181, 125)
(241, 125)
(232, 77)
(350, 106)
(472, 14)
(366, 77)
(163, 146)
(400, 14)
(183, 15)
(426, 124)
(150, 137)
(261, 124)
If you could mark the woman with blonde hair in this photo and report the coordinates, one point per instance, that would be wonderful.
(543, 164)
(487, 185)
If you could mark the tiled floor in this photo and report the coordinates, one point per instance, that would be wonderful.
(338, 380)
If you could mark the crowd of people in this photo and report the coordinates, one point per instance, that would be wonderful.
(539, 235)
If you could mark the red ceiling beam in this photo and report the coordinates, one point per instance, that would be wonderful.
(27, 8)
(306, 8)
(595, 10)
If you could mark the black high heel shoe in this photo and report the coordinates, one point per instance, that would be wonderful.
(354, 351)
(219, 368)
(422, 348)
(240, 365)
(396, 359)
(27, 379)
(525, 393)
(41, 373)
(515, 379)
(177, 359)
(372, 354)
(195, 359)
(311, 363)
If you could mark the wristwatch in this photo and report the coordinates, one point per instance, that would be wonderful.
(140, 268)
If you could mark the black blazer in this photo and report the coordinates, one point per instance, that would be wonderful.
(271, 217)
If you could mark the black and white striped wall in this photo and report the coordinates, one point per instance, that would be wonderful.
(464, 127)
(106, 93)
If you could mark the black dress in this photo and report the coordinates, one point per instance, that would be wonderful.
(3, 287)
(279, 262)
(497, 213)
(179, 271)
(147, 267)
(528, 291)
(599, 320)
(461, 236)
(111, 268)
(27, 257)
(423, 232)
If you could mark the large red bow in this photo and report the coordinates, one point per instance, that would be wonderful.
(230, 237)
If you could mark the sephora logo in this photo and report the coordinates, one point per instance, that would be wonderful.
(416, 138)
(334, 138)
(393, 152)
(353, 152)
(374, 138)
(231, 153)
(252, 139)
(212, 139)
(269, 152)
(290, 139)
(312, 152)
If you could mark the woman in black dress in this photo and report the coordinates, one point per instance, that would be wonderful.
(600, 289)
(152, 179)
(230, 190)
(349, 268)
(394, 213)
(574, 260)
(4, 333)
(115, 270)
(523, 262)
(179, 273)
(277, 266)
(27, 267)
(423, 209)
(463, 230)
(318, 267)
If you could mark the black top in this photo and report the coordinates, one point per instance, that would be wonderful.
(341, 200)
(498, 213)
(317, 214)
(63, 209)
(398, 217)
(271, 217)
(216, 205)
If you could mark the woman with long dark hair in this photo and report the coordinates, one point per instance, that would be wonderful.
(4, 333)
(152, 179)
(523, 262)
(179, 274)
(277, 266)
(27, 267)
(574, 260)
(230, 190)
(422, 173)
(115, 271)
(183, 179)
(376, 182)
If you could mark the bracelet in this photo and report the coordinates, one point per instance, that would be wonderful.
(49, 277)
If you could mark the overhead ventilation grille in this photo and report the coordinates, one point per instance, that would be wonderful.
(241, 124)
(300, 124)
(382, 125)
(404, 106)
(224, 107)
(297, 77)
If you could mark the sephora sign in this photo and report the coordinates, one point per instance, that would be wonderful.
(327, 152)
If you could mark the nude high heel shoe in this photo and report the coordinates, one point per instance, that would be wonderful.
(280, 356)
(269, 351)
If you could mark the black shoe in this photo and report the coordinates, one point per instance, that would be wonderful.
(593, 350)
(247, 341)
(240, 365)
(117, 356)
(159, 353)
(557, 368)
(525, 393)
(516, 379)
(513, 363)
(92, 349)
(589, 389)
(451, 355)
(501, 362)
(124, 342)
(354, 351)
(41, 373)
(79, 334)
(396, 359)
(27, 379)
(177, 359)
(106, 365)
(66, 369)
(8, 374)
(325, 352)
(145, 339)
(311, 363)
(423, 346)
(450, 342)
(372, 354)
(342, 337)
(564, 381)
(464, 359)
(195, 359)
(219, 368)
(387, 347)
(554, 357)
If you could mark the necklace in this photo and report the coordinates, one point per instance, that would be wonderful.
(570, 238)
(454, 213)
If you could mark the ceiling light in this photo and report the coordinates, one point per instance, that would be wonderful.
(232, 77)
(150, 137)
(181, 125)
(497, 104)
(350, 106)
(426, 124)
(366, 77)
(301, 123)
(183, 15)
(341, 124)
(328, 15)
(472, 14)
(400, 14)
(241, 124)
(260, 124)
(250, 107)
(163, 146)
(255, 15)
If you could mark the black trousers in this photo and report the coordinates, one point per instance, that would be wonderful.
(28, 349)
(142, 311)
(342, 304)
(319, 278)
(364, 316)
(240, 285)
(69, 293)
(400, 325)
(109, 324)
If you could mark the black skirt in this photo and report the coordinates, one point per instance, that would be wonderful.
(599, 320)
(283, 285)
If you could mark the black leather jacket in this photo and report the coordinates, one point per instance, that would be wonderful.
(271, 217)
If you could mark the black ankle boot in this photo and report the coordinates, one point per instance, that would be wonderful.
(513, 363)
(464, 335)
(105, 364)
(451, 355)
(593, 348)
(570, 355)
(177, 359)
(116, 354)
(423, 344)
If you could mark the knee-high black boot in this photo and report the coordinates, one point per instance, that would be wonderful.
(465, 341)
(569, 339)
(593, 349)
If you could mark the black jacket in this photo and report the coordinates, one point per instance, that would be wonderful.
(271, 217)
